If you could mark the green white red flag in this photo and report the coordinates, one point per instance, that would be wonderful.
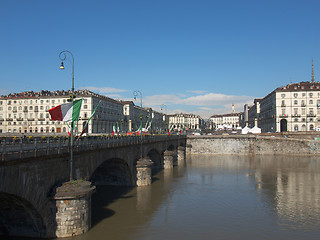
(113, 129)
(139, 131)
(66, 112)
(87, 123)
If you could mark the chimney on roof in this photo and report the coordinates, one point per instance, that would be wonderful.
(312, 80)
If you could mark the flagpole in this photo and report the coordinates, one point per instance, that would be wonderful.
(63, 57)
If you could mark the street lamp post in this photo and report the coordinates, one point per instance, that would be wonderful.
(163, 106)
(135, 94)
(141, 136)
(63, 57)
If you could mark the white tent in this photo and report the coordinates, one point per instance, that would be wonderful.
(245, 130)
(255, 130)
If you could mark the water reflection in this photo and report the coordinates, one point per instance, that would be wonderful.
(292, 186)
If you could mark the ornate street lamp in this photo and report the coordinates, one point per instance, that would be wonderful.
(63, 57)
(135, 94)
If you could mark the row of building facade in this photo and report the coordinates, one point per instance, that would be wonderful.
(27, 112)
(294, 107)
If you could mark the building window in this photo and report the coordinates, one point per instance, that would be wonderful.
(295, 95)
(310, 101)
(296, 128)
(295, 102)
(311, 111)
(310, 95)
(283, 95)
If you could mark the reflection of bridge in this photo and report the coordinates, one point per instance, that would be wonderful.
(31, 173)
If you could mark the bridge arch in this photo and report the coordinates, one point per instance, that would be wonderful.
(18, 217)
(156, 158)
(171, 147)
(113, 171)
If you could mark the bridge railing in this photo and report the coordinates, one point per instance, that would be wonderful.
(15, 149)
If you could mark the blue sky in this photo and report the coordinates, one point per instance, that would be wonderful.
(194, 56)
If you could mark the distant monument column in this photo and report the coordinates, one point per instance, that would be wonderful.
(73, 202)
(144, 171)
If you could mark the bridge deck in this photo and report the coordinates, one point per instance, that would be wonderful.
(23, 149)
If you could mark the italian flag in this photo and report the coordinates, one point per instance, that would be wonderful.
(140, 130)
(87, 123)
(113, 129)
(66, 112)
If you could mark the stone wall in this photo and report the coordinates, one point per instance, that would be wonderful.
(252, 144)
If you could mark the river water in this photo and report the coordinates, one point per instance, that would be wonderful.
(215, 197)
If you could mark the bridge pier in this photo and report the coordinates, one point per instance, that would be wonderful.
(168, 159)
(188, 149)
(144, 171)
(181, 155)
(73, 202)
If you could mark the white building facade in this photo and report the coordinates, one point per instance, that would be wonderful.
(230, 120)
(183, 121)
(27, 112)
(294, 107)
(227, 121)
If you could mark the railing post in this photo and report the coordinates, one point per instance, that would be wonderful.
(21, 149)
(35, 147)
(59, 145)
(48, 145)
(3, 149)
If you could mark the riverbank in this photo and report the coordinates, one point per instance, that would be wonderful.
(254, 145)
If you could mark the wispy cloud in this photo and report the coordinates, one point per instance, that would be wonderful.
(201, 102)
(162, 99)
(197, 91)
(204, 105)
(4, 91)
(104, 89)
(213, 99)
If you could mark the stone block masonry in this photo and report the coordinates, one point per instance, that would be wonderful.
(255, 145)
(73, 202)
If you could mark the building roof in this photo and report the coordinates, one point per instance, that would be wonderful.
(301, 86)
(226, 115)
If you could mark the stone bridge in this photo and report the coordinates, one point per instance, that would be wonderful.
(30, 178)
